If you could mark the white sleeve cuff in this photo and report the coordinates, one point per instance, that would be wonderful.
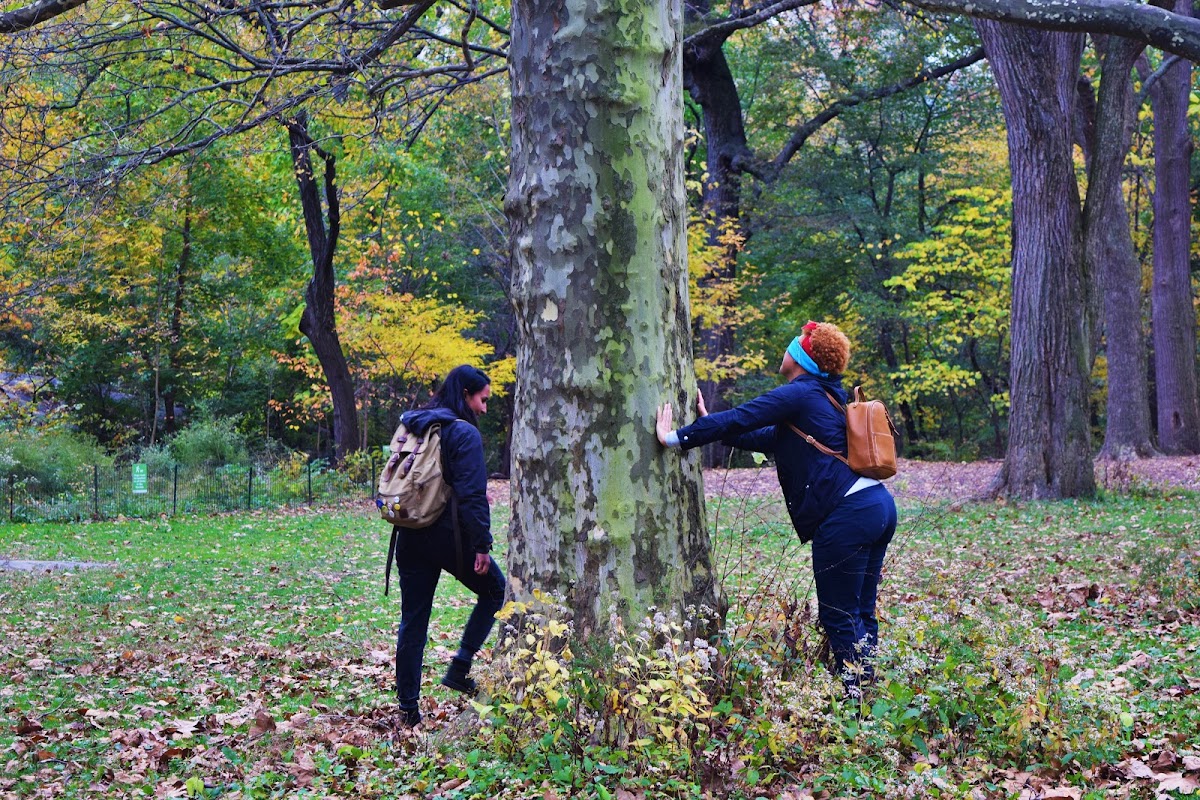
(673, 439)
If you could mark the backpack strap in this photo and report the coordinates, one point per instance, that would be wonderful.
(387, 575)
(391, 556)
(458, 544)
(827, 451)
(838, 405)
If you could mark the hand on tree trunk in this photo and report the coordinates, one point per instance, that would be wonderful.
(664, 423)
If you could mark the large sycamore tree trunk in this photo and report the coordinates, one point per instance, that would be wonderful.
(1174, 320)
(322, 222)
(1111, 257)
(601, 514)
(1049, 448)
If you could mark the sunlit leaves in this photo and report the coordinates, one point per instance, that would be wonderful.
(955, 290)
(718, 290)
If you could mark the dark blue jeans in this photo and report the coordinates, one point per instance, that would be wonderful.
(420, 558)
(848, 551)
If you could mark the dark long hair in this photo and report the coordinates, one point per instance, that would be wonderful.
(459, 382)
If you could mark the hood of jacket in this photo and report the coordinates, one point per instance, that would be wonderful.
(419, 421)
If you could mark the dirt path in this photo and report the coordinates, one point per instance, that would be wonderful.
(946, 480)
(21, 565)
(942, 480)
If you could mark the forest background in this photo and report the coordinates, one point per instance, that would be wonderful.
(162, 239)
(262, 229)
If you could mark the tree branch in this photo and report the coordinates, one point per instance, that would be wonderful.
(1174, 33)
(718, 31)
(22, 19)
(803, 131)
(1153, 78)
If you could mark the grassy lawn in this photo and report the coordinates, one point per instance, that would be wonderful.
(1039, 650)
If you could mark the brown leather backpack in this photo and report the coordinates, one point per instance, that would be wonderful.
(870, 437)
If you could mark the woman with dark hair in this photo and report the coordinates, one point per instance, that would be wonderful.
(459, 542)
(850, 519)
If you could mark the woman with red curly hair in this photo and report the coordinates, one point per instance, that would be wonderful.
(848, 518)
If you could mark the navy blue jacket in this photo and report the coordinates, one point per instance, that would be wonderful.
(813, 483)
(465, 470)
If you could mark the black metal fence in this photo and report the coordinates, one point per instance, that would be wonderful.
(108, 492)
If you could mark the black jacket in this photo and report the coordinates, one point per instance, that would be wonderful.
(464, 469)
(812, 482)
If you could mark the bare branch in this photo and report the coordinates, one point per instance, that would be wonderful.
(1174, 33)
(718, 31)
(806, 129)
(1153, 78)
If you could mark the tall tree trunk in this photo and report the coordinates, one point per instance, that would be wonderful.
(1172, 304)
(1049, 442)
(601, 514)
(319, 321)
(1111, 257)
(708, 79)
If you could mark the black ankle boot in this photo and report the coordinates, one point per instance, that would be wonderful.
(456, 677)
(410, 717)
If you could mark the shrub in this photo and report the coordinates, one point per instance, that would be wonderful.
(51, 460)
(216, 441)
(158, 459)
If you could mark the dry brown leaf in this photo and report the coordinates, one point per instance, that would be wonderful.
(1063, 793)
(263, 722)
(1139, 661)
(181, 728)
(1176, 782)
(304, 769)
(795, 793)
(26, 726)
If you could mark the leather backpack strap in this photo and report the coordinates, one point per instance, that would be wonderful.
(818, 445)
(838, 405)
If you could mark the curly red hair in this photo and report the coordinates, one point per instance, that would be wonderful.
(828, 346)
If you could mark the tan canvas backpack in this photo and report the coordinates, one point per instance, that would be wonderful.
(412, 492)
(870, 437)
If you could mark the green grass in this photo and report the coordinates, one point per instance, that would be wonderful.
(1048, 643)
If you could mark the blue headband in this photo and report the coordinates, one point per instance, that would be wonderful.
(801, 357)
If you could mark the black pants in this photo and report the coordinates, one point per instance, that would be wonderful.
(421, 556)
(847, 553)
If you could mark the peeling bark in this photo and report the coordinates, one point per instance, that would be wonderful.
(601, 514)
(1049, 448)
